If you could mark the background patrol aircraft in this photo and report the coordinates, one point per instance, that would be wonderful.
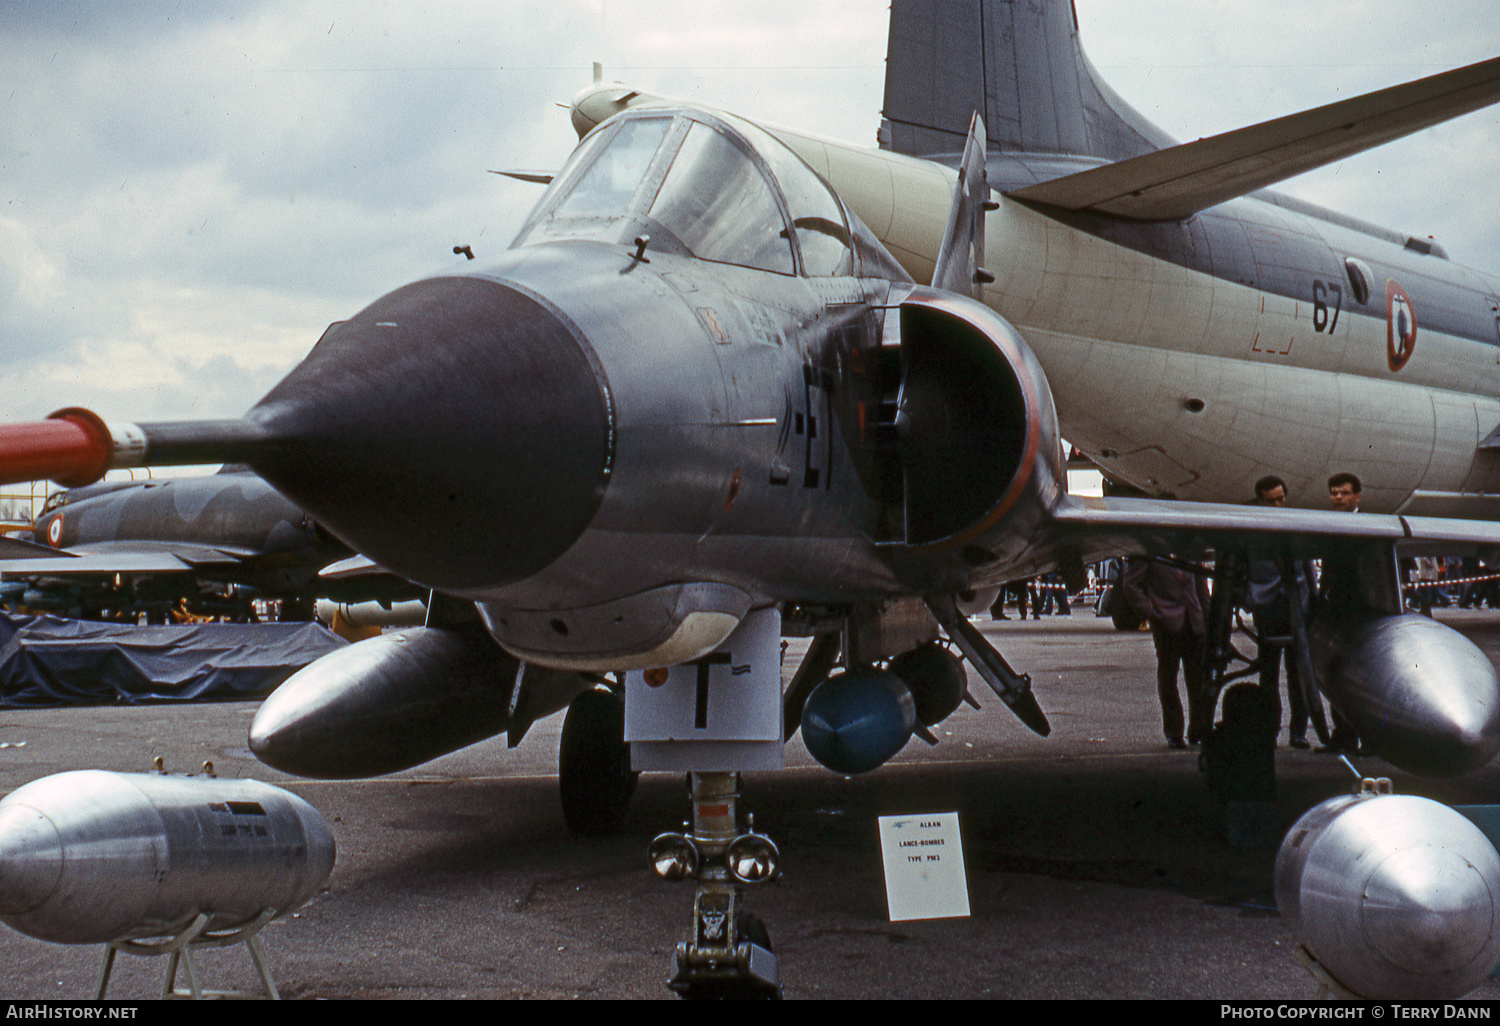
(1207, 337)
(699, 403)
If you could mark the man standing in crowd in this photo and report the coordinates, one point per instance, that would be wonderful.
(1173, 600)
(1270, 491)
(1344, 494)
(1271, 610)
(1054, 591)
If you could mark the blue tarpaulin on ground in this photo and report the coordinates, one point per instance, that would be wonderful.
(48, 661)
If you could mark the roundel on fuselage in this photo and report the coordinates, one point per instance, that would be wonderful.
(1400, 325)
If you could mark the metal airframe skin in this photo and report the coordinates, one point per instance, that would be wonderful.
(1177, 351)
(236, 514)
(1250, 309)
(1129, 334)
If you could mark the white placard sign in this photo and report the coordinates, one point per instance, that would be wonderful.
(731, 694)
(924, 866)
(720, 712)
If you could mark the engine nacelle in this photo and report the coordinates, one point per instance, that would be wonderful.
(980, 453)
(1419, 693)
(1396, 896)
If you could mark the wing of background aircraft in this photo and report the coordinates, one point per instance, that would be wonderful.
(140, 555)
(1174, 183)
(12, 547)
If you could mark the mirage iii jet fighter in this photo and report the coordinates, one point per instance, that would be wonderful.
(695, 407)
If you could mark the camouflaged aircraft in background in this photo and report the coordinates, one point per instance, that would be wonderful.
(211, 545)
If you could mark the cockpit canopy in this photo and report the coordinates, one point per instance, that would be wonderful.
(708, 186)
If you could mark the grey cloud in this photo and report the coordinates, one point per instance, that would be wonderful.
(200, 188)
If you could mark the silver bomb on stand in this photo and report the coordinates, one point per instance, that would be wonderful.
(1395, 896)
(90, 856)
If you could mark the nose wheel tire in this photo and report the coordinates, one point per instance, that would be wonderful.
(595, 780)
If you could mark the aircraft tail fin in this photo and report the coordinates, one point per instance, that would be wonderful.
(1018, 63)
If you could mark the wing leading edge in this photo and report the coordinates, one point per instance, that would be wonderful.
(126, 557)
(1100, 528)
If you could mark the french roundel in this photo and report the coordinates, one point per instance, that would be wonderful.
(54, 531)
(1400, 325)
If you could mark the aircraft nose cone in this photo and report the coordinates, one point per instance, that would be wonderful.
(458, 431)
(31, 859)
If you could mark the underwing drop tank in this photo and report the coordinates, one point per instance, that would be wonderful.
(1395, 896)
(1419, 693)
(90, 856)
(400, 699)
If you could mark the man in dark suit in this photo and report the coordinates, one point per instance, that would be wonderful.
(1340, 583)
(1269, 603)
(1173, 600)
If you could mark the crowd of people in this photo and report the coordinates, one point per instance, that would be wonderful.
(1171, 598)
(1043, 593)
(1174, 600)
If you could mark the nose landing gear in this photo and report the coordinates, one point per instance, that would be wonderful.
(729, 956)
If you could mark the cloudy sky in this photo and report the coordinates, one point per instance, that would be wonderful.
(190, 192)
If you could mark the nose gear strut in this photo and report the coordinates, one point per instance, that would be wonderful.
(729, 955)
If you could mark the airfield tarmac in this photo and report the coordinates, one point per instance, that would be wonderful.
(1097, 861)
